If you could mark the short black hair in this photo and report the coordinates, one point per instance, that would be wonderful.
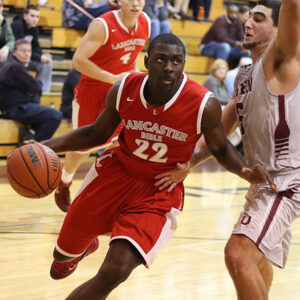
(274, 5)
(166, 38)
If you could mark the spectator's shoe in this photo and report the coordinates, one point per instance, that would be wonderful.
(62, 196)
(24, 135)
(60, 270)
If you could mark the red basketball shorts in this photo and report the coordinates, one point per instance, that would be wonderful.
(110, 200)
(88, 104)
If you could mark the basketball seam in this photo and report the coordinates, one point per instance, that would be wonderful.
(46, 158)
(47, 161)
(26, 188)
(31, 172)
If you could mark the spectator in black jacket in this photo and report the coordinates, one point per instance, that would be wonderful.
(25, 27)
(67, 93)
(20, 95)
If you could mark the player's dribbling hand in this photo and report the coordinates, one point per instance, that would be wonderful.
(259, 175)
(172, 178)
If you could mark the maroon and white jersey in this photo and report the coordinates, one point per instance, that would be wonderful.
(269, 123)
(155, 139)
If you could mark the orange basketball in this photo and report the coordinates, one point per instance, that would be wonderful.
(33, 170)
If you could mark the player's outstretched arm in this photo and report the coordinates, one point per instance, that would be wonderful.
(171, 178)
(282, 59)
(91, 135)
(93, 39)
(288, 36)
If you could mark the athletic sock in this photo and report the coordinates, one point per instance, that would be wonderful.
(66, 177)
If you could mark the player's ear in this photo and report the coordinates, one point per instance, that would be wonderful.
(146, 61)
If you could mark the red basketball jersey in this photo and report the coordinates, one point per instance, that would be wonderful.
(122, 46)
(155, 139)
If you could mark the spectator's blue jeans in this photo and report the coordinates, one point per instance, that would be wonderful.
(158, 27)
(43, 119)
(223, 50)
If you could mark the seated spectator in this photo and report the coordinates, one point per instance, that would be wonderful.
(215, 81)
(231, 74)
(224, 38)
(7, 39)
(25, 27)
(157, 10)
(74, 18)
(20, 95)
(216, 84)
(67, 93)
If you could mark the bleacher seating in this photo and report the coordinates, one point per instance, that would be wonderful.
(61, 40)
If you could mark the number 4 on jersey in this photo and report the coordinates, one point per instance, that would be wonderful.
(125, 58)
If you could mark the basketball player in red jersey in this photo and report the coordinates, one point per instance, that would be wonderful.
(266, 107)
(106, 53)
(164, 114)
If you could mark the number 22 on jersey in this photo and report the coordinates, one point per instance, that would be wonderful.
(160, 150)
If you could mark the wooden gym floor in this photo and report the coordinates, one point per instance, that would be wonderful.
(190, 267)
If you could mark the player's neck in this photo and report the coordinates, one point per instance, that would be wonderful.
(127, 20)
(158, 97)
(258, 52)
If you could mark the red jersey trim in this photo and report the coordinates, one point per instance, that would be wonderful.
(120, 90)
(201, 109)
(171, 101)
(106, 29)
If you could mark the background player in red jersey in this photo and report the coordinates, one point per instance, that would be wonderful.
(106, 53)
(164, 114)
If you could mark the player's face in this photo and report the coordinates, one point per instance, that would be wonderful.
(165, 65)
(133, 7)
(23, 53)
(259, 28)
(32, 18)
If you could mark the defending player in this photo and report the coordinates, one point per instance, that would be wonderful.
(267, 106)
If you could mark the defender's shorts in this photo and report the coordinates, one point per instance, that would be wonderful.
(112, 200)
(267, 217)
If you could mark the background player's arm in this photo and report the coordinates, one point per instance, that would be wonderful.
(91, 135)
(89, 44)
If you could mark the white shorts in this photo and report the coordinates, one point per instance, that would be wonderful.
(267, 217)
